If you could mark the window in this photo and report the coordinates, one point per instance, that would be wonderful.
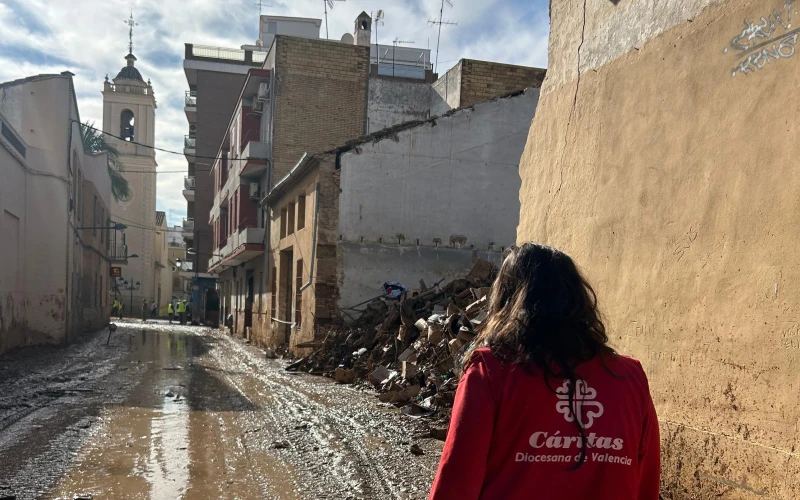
(283, 223)
(301, 212)
(274, 291)
(126, 122)
(272, 27)
(298, 298)
(290, 223)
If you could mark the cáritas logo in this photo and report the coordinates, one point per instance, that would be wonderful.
(585, 407)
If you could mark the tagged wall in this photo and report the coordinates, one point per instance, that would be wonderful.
(663, 159)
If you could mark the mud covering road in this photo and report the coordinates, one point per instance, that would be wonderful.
(168, 412)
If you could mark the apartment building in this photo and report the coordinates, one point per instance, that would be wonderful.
(215, 76)
(313, 95)
(55, 201)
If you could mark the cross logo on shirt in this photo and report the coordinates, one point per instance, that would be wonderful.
(585, 406)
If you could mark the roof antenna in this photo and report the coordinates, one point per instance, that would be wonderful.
(441, 22)
(328, 4)
(131, 23)
(377, 20)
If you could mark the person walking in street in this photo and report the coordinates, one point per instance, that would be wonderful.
(169, 312)
(182, 311)
(144, 310)
(545, 408)
(153, 310)
(117, 308)
(189, 312)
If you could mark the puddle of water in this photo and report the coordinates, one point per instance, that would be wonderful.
(168, 464)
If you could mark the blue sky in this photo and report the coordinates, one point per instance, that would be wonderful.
(89, 38)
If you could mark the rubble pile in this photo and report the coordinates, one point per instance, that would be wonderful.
(409, 348)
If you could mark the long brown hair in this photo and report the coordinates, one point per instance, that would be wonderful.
(543, 315)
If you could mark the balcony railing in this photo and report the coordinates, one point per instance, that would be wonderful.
(118, 253)
(128, 89)
(188, 225)
(188, 142)
(188, 182)
(217, 52)
(190, 99)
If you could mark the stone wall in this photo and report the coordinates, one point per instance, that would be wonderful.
(662, 158)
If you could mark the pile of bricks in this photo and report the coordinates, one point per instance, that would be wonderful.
(409, 350)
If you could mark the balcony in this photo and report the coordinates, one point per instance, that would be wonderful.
(188, 148)
(188, 188)
(241, 247)
(255, 156)
(118, 254)
(187, 232)
(190, 105)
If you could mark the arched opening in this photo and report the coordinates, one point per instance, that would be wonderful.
(126, 125)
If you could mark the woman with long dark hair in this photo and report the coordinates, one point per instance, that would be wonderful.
(546, 409)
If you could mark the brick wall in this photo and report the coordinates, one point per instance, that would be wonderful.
(482, 80)
(320, 98)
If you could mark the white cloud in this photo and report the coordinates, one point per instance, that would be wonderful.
(88, 37)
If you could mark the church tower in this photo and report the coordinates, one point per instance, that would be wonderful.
(129, 122)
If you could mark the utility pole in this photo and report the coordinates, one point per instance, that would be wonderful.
(377, 20)
(441, 22)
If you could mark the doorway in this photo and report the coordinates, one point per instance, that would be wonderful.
(286, 293)
(248, 302)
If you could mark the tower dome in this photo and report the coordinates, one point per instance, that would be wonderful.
(129, 72)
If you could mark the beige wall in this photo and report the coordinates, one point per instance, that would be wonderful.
(669, 175)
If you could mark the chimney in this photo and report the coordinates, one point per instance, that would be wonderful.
(363, 30)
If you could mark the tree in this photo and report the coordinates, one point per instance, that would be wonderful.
(94, 141)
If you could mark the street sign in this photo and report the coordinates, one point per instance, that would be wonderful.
(116, 272)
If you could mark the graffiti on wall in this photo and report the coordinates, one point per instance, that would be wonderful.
(768, 39)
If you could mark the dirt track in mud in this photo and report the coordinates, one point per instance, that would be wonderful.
(168, 411)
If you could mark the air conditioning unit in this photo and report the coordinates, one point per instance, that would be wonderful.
(254, 191)
(258, 106)
(263, 92)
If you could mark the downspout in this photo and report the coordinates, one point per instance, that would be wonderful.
(313, 241)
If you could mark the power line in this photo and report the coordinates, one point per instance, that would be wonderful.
(155, 148)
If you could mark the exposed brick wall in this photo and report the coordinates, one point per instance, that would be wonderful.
(326, 285)
(320, 98)
(482, 80)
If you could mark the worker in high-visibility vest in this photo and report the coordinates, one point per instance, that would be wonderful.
(169, 312)
(182, 311)
(117, 307)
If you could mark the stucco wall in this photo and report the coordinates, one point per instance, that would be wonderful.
(668, 173)
(396, 101)
(453, 179)
(365, 267)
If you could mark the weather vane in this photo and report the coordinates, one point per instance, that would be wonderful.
(131, 23)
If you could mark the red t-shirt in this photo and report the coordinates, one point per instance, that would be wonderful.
(513, 437)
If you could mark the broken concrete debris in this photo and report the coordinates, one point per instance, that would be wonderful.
(409, 348)
(416, 450)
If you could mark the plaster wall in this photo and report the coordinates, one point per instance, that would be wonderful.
(391, 102)
(666, 168)
(446, 91)
(447, 182)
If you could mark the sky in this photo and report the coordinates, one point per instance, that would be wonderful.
(90, 38)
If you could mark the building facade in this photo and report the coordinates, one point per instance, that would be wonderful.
(646, 163)
(129, 119)
(54, 217)
(162, 269)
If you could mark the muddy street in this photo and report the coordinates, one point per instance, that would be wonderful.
(169, 411)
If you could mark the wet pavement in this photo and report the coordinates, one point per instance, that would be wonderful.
(168, 411)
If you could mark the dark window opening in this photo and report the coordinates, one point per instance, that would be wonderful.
(126, 125)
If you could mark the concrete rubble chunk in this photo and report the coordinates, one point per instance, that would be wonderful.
(416, 450)
(409, 354)
(378, 375)
(270, 354)
(439, 433)
(344, 376)
(409, 369)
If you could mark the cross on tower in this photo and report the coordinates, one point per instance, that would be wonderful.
(131, 23)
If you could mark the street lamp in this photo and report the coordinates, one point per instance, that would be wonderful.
(131, 287)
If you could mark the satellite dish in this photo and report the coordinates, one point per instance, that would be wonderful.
(348, 39)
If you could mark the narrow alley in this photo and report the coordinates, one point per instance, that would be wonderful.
(169, 411)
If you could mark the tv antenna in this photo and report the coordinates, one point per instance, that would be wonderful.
(377, 20)
(328, 4)
(441, 22)
(397, 42)
(261, 4)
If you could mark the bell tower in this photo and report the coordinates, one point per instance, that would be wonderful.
(129, 118)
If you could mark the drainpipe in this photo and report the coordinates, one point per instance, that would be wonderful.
(313, 241)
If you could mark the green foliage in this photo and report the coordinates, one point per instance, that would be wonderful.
(94, 141)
